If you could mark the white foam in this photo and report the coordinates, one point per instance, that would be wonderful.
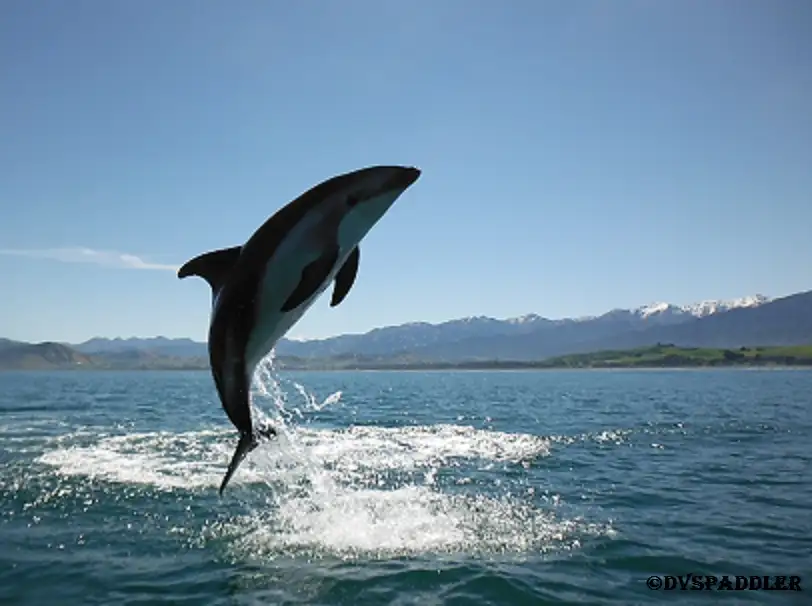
(407, 448)
(195, 459)
(407, 521)
(163, 460)
(353, 491)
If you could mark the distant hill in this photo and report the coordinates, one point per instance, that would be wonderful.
(491, 338)
(488, 337)
(785, 321)
(158, 345)
(58, 356)
(41, 356)
(7, 343)
(755, 321)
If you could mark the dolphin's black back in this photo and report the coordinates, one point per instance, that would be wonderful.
(263, 244)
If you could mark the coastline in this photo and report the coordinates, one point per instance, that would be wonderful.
(655, 357)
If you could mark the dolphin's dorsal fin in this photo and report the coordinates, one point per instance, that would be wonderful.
(345, 277)
(213, 266)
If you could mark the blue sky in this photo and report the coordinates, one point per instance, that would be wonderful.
(576, 156)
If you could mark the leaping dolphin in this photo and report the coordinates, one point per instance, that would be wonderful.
(262, 288)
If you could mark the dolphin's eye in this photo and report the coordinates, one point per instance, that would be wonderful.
(352, 200)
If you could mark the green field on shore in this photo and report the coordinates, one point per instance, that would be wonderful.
(671, 356)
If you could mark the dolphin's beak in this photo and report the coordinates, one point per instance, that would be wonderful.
(403, 178)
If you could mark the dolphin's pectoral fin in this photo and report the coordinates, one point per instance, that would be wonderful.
(213, 266)
(346, 277)
(313, 276)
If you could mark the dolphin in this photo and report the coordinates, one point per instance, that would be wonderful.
(263, 287)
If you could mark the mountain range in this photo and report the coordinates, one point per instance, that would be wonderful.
(750, 321)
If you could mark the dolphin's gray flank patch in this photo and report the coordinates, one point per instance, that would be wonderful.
(312, 277)
(213, 266)
(345, 277)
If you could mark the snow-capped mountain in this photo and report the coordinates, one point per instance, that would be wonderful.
(700, 309)
(526, 319)
(747, 322)
(706, 308)
(530, 335)
(451, 334)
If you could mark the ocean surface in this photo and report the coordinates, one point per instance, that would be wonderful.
(570, 487)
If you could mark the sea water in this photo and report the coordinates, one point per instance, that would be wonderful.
(557, 487)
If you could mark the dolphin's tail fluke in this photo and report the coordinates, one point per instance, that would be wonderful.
(247, 443)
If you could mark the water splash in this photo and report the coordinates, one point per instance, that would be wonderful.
(358, 491)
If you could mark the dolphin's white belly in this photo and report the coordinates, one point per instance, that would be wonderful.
(303, 245)
(282, 274)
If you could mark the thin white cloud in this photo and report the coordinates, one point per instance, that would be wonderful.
(106, 258)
